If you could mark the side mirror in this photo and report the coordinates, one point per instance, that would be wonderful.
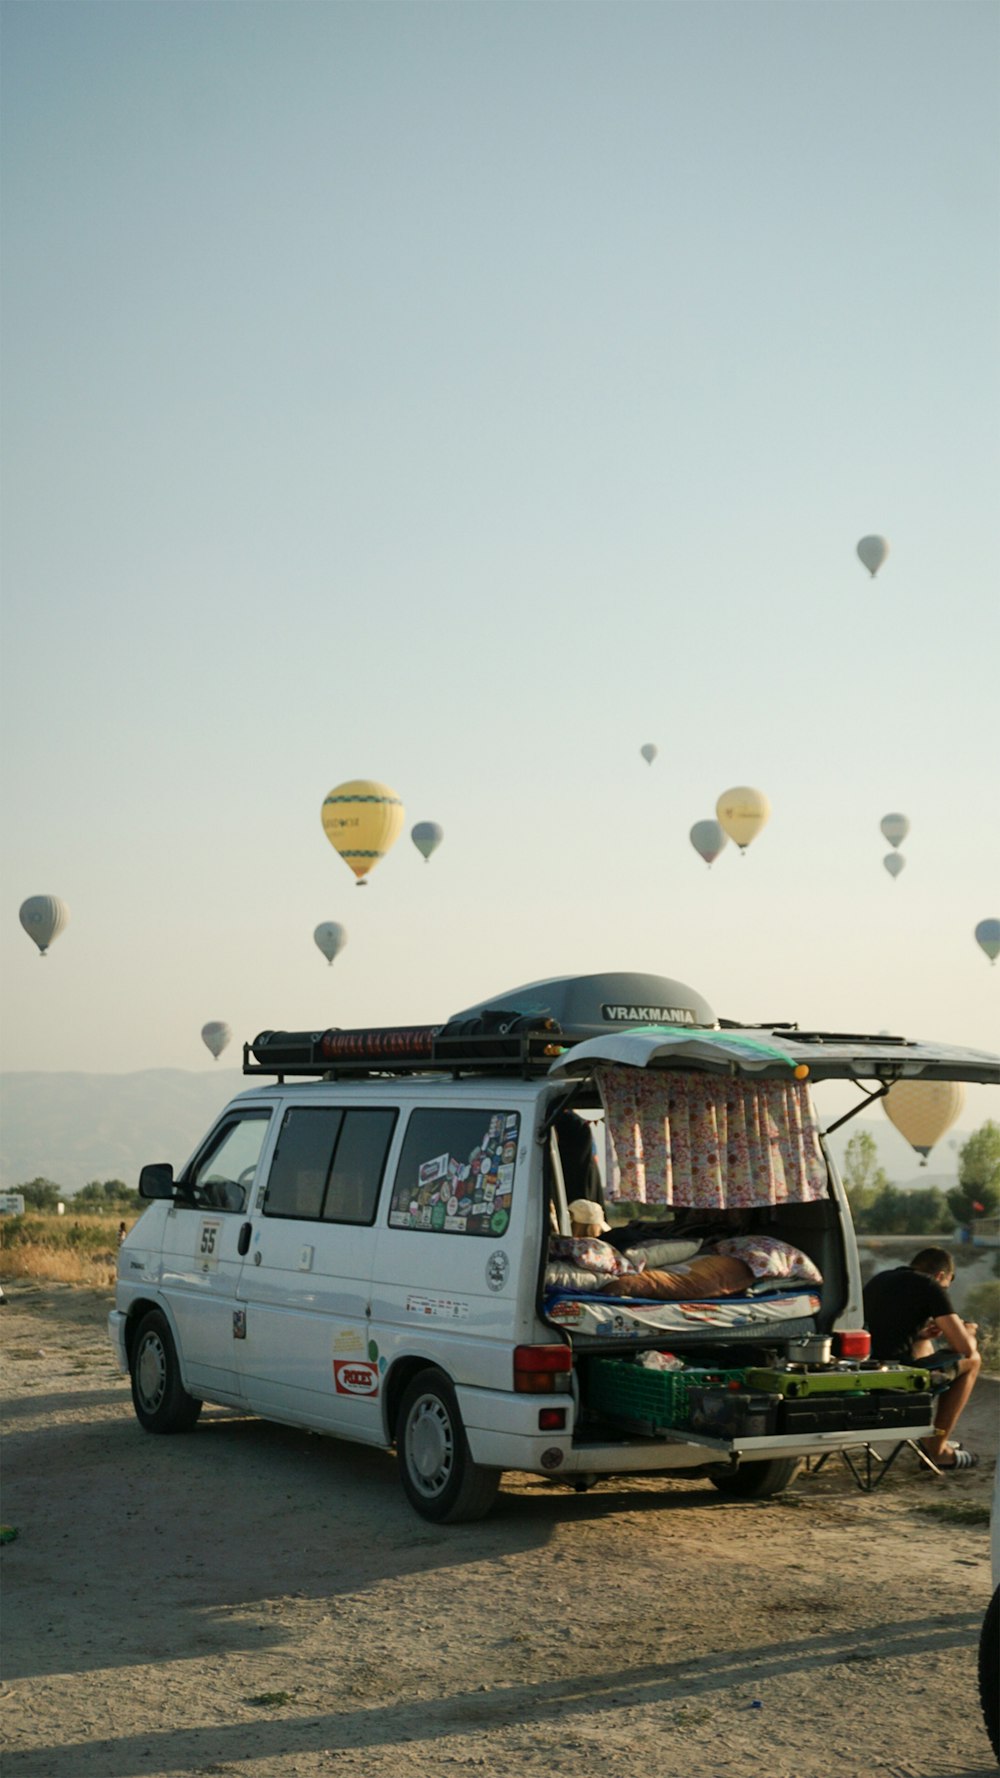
(157, 1180)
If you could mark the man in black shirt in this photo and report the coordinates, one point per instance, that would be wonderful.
(906, 1311)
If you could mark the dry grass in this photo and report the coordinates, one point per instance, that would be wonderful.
(61, 1249)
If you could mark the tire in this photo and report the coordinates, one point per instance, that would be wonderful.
(438, 1475)
(756, 1480)
(161, 1402)
(989, 1672)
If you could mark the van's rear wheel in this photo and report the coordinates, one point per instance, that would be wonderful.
(161, 1402)
(756, 1481)
(438, 1475)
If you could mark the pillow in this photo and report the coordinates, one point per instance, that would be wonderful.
(660, 1253)
(560, 1277)
(769, 1258)
(589, 1253)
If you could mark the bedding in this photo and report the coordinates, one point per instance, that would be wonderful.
(768, 1257)
(660, 1253)
(591, 1254)
(710, 1275)
(741, 1317)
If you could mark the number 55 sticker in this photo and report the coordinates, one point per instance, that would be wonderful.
(207, 1256)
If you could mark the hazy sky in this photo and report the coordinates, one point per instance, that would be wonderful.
(461, 396)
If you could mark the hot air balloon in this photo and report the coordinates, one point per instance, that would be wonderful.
(742, 813)
(331, 938)
(361, 820)
(895, 828)
(988, 936)
(427, 837)
(873, 551)
(894, 862)
(922, 1110)
(43, 918)
(708, 839)
(649, 750)
(215, 1035)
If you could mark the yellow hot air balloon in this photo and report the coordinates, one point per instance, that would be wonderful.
(742, 813)
(361, 820)
(922, 1110)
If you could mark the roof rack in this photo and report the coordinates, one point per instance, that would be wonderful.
(525, 1046)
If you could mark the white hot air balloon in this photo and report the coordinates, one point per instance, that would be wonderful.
(708, 840)
(331, 938)
(988, 938)
(742, 812)
(43, 918)
(649, 750)
(894, 862)
(427, 837)
(215, 1035)
(873, 551)
(895, 828)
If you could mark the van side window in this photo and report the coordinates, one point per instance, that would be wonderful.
(302, 1161)
(328, 1164)
(223, 1177)
(456, 1172)
(358, 1165)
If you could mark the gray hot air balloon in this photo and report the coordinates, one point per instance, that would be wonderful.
(215, 1035)
(708, 839)
(43, 918)
(427, 837)
(873, 551)
(895, 828)
(649, 750)
(894, 862)
(988, 937)
(331, 938)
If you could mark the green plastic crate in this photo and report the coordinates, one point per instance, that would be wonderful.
(624, 1391)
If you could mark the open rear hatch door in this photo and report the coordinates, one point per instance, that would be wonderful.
(781, 1053)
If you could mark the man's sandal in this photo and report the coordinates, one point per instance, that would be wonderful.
(960, 1459)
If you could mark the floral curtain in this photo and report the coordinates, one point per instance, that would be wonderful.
(709, 1141)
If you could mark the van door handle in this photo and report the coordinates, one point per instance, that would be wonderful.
(243, 1241)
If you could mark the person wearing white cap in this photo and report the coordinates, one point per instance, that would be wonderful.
(587, 1219)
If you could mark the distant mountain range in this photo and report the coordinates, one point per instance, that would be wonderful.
(72, 1128)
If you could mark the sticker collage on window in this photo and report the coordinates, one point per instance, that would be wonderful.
(463, 1196)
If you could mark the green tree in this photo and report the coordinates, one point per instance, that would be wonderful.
(926, 1212)
(106, 1194)
(41, 1194)
(864, 1178)
(978, 1175)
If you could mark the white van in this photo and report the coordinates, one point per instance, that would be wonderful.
(377, 1245)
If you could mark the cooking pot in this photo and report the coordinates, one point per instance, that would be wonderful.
(814, 1349)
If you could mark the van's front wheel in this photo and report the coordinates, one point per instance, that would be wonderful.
(161, 1402)
(756, 1480)
(438, 1475)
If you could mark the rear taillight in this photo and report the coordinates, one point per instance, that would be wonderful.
(541, 1370)
(856, 1342)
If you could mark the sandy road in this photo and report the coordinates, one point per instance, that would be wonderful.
(254, 1600)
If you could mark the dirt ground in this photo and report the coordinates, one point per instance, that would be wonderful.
(258, 1601)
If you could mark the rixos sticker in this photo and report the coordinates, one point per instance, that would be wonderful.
(355, 1376)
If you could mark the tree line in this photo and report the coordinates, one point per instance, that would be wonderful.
(880, 1208)
(101, 1195)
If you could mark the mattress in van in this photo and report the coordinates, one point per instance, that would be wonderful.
(625, 1317)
